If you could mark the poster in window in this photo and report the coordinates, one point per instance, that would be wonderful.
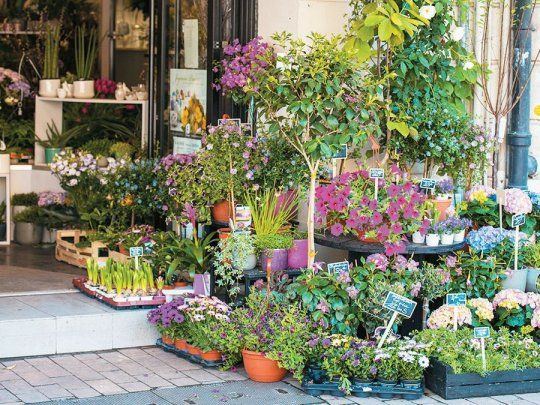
(188, 101)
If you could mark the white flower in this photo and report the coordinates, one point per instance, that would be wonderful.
(457, 33)
(468, 65)
(423, 362)
(209, 146)
(428, 12)
(453, 63)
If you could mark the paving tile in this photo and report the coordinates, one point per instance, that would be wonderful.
(35, 377)
(86, 356)
(334, 400)
(365, 401)
(79, 369)
(136, 386)
(183, 381)
(131, 353)
(505, 399)
(232, 376)
(6, 375)
(6, 396)
(118, 376)
(182, 365)
(113, 356)
(100, 365)
(32, 396)
(169, 374)
(19, 365)
(54, 391)
(48, 367)
(153, 380)
(133, 368)
(534, 397)
(203, 376)
(16, 386)
(84, 392)
(484, 401)
(69, 382)
(106, 387)
(397, 402)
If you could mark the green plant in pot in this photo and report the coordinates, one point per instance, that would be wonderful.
(531, 261)
(86, 48)
(50, 79)
(28, 226)
(56, 140)
(273, 250)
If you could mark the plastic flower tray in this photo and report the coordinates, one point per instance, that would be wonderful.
(372, 390)
(185, 355)
(78, 283)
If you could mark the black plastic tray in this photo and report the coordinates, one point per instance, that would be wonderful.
(187, 356)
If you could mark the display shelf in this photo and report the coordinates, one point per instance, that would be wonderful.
(91, 100)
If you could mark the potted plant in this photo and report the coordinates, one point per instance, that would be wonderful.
(169, 320)
(446, 231)
(196, 257)
(412, 364)
(433, 236)
(273, 250)
(297, 255)
(269, 212)
(50, 79)
(443, 196)
(28, 226)
(85, 59)
(531, 260)
(22, 200)
(461, 225)
(56, 140)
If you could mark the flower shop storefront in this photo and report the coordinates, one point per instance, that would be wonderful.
(216, 250)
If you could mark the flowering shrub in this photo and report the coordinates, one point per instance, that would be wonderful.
(169, 318)
(515, 308)
(481, 310)
(204, 315)
(445, 316)
(488, 238)
(51, 198)
(517, 202)
(444, 186)
(348, 205)
(104, 87)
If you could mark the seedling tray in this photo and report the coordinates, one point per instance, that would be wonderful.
(374, 389)
(441, 379)
(78, 283)
(188, 356)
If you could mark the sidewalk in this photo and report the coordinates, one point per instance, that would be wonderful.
(151, 376)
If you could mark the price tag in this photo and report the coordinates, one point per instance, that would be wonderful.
(136, 251)
(338, 267)
(399, 304)
(342, 153)
(457, 299)
(482, 332)
(518, 220)
(428, 184)
(376, 173)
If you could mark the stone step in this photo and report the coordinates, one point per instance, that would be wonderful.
(46, 324)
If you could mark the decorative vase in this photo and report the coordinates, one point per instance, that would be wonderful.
(180, 344)
(249, 262)
(516, 279)
(279, 259)
(49, 236)
(387, 385)
(5, 162)
(49, 87)
(50, 153)
(297, 255)
(212, 355)
(167, 340)
(532, 280)
(432, 239)
(119, 93)
(222, 211)
(83, 89)
(28, 233)
(442, 206)
(61, 93)
(418, 238)
(447, 239)
(201, 284)
(261, 369)
(460, 236)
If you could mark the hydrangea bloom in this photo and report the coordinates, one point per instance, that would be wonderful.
(510, 299)
(479, 193)
(482, 307)
(487, 238)
(443, 317)
(535, 320)
(48, 198)
(517, 202)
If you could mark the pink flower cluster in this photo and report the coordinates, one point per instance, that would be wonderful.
(48, 198)
(105, 87)
(510, 298)
(443, 317)
(517, 202)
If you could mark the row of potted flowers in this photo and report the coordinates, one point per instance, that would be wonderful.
(447, 232)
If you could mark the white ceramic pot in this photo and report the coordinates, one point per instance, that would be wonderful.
(250, 262)
(516, 279)
(68, 87)
(49, 236)
(432, 239)
(119, 298)
(459, 237)
(49, 87)
(83, 89)
(4, 163)
(447, 239)
(61, 93)
(418, 238)
(532, 280)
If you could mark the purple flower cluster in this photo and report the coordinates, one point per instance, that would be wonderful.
(444, 186)
(48, 198)
(167, 314)
(174, 159)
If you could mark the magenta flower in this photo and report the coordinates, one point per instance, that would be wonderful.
(336, 229)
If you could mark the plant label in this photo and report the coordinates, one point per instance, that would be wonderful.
(455, 300)
(136, 251)
(428, 184)
(501, 196)
(338, 267)
(342, 153)
(399, 304)
(518, 220)
(376, 173)
(243, 217)
(482, 332)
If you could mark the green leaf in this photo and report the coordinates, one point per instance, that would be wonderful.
(385, 30)
(333, 122)
(373, 20)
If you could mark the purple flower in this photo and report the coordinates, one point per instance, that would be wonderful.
(352, 291)
(336, 229)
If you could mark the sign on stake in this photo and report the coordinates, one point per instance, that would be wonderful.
(401, 306)
(482, 333)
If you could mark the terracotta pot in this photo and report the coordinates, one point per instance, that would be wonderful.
(212, 355)
(261, 369)
(167, 340)
(180, 284)
(442, 206)
(194, 350)
(222, 211)
(168, 287)
(123, 250)
(224, 233)
(362, 237)
(180, 344)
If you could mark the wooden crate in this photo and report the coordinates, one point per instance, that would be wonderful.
(67, 251)
(441, 379)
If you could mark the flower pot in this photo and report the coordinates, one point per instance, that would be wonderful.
(194, 350)
(432, 239)
(83, 89)
(261, 369)
(442, 206)
(418, 238)
(224, 233)
(49, 87)
(5, 162)
(28, 233)
(50, 153)
(180, 283)
(412, 385)
(315, 373)
(447, 239)
(250, 262)
(201, 284)
(532, 280)
(516, 279)
(102, 161)
(222, 211)
(386, 384)
(279, 259)
(362, 237)
(167, 340)
(180, 344)
(459, 237)
(212, 355)
(49, 236)
(297, 255)
(361, 387)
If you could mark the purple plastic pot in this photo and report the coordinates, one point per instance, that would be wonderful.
(298, 254)
(201, 284)
(279, 259)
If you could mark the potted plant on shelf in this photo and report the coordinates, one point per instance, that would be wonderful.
(443, 196)
(28, 226)
(22, 200)
(297, 255)
(196, 257)
(433, 236)
(85, 59)
(56, 140)
(446, 230)
(531, 260)
(460, 226)
(50, 79)
(273, 251)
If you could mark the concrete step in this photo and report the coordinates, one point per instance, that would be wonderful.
(48, 324)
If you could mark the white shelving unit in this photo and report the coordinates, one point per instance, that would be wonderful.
(5, 195)
(49, 109)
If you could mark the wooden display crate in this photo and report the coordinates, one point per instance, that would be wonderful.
(67, 250)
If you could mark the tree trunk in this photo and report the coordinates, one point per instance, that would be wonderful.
(311, 218)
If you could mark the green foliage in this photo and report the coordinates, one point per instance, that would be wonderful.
(122, 150)
(267, 213)
(17, 133)
(197, 254)
(52, 43)
(98, 147)
(56, 138)
(267, 243)
(481, 213)
(31, 214)
(531, 255)
(86, 48)
(25, 199)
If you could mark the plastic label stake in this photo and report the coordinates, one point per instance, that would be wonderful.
(456, 300)
(517, 221)
(482, 333)
(376, 173)
(501, 200)
(401, 306)
(136, 252)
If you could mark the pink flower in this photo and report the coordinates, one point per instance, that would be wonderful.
(379, 260)
(336, 229)
(517, 202)
(451, 261)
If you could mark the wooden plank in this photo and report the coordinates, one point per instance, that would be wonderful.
(486, 390)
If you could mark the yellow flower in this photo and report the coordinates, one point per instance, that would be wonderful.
(480, 196)
(509, 304)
